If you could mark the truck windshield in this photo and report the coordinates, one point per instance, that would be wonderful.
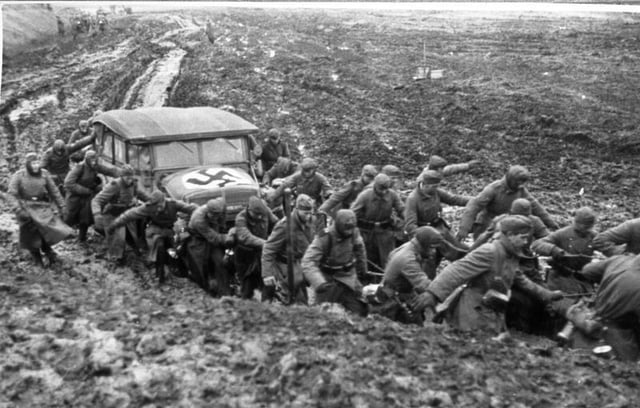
(224, 150)
(186, 154)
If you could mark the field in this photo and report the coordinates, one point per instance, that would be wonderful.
(559, 93)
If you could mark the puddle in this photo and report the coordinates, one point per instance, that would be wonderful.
(156, 92)
(28, 106)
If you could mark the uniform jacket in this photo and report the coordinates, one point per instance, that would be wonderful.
(201, 226)
(279, 170)
(270, 153)
(627, 233)
(163, 219)
(480, 270)
(333, 250)
(343, 198)
(370, 207)
(496, 199)
(252, 232)
(316, 187)
(403, 272)
(82, 180)
(422, 209)
(564, 239)
(118, 194)
(58, 163)
(538, 231)
(27, 187)
(275, 247)
(619, 286)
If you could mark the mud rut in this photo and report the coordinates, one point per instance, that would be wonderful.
(86, 333)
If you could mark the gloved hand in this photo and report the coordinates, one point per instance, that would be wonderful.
(551, 295)
(229, 241)
(269, 289)
(422, 301)
(324, 287)
(461, 235)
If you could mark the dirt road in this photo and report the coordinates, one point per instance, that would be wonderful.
(557, 93)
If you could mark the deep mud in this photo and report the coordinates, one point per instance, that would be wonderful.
(556, 93)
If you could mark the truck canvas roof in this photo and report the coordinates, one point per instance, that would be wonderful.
(145, 125)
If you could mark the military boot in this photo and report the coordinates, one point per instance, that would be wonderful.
(160, 273)
(51, 256)
(37, 257)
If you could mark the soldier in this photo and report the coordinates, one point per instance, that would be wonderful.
(571, 248)
(56, 158)
(524, 312)
(496, 199)
(333, 262)
(441, 165)
(489, 273)
(306, 181)
(160, 214)
(274, 252)
(117, 197)
(206, 247)
(40, 228)
(84, 130)
(284, 167)
(253, 225)
(273, 148)
(404, 275)
(423, 207)
(373, 209)
(624, 238)
(617, 304)
(81, 185)
(343, 198)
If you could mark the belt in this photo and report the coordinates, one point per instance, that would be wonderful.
(40, 199)
(337, 268)
(373, 224)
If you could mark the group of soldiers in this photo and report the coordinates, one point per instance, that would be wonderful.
(364, 246)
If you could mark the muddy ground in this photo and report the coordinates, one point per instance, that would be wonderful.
(558, 93)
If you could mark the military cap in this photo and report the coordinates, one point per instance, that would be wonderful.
(274, 134)
(436, 163)
(126, 170)
(216, 205)
(585, 215)
(58, 144)
(382, 181)
(427, 236)
(304, 203)
(520, 206)
(83, 123)
(156, 197)
(31, 156)
(516, 224)
(430, 177)
(519, 172)
(308, 164)
(90, 154)
(391, 170)
(345, 218)
(369, 170)
(257, 206)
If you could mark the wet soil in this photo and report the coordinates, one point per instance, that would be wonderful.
(556, 93)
